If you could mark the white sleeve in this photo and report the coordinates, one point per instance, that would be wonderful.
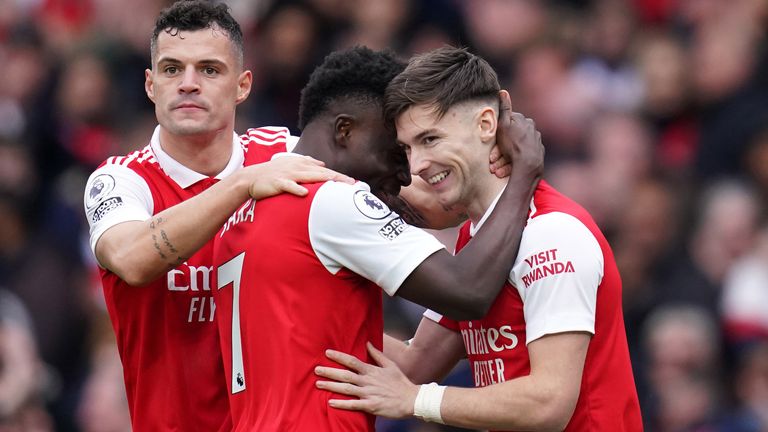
(115, 194)
(350, 228)
(557, 272)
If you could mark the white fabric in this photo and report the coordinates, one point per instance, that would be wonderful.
(132, 191)
(745, 297)
(350, 228)
(557, 301)
(186, 177)
(428, 402)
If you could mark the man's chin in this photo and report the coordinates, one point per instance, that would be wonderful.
(189, 128)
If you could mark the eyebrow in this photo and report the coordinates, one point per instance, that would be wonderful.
(201, 62)
(422, 134)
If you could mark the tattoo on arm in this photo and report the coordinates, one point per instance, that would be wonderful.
(157, 248)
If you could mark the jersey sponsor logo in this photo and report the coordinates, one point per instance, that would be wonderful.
(544, 264)
(487, 372)
(196, 279)
(488, 340)
(393, 228)
(370, 205)
(483, 341)
(99, 188)
(105, 207)
(189, 278)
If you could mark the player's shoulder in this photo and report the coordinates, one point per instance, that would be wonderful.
(266, 136)
(142, 157)
(356, 197)
(549, 201)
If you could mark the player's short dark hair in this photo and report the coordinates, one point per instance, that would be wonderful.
(357, 72)
(191, 15)
(441, 78)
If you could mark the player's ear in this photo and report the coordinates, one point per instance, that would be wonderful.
(343, 130)
(244, 83)
(487, 123)
(149, 87)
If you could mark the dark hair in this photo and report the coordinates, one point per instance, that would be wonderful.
(441, 78)
(191, 15)
(358, 72)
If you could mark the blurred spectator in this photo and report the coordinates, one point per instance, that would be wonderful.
(605, 69)
(23, 375)
(756, 162)
(683, 355)
(284, 53)
(733, 108)
(103, 406)
(644, 244)
(498, 29)
(725, 228)
(662, 63)
(751, 389)
(745, 295)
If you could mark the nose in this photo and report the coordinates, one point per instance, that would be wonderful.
(189, 81)
(417, 160)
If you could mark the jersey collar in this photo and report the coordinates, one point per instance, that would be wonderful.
(186, 177)
(473, 229)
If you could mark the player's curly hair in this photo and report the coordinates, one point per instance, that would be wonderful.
(191, 15)
(358, 72)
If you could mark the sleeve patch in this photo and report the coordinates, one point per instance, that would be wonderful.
(99, 188)
(370, 205)
(105, 207)
(544, 264)
(393, 228)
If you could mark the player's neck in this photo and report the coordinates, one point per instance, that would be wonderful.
(310, 144)
(206, 154)
(488, 188)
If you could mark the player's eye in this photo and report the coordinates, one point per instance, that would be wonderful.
(429, 140)
(170, 70)
(210, 70)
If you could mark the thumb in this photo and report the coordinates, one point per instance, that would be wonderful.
(505, 101)
(378, 356)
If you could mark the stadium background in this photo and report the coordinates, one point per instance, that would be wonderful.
(654, 114)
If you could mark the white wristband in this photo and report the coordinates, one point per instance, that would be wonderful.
(428, 401)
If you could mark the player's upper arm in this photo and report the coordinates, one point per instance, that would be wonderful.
(114, 194)
(557, 366)
(349, 227)
(557, 273)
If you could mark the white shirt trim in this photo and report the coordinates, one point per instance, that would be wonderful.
(186, 177)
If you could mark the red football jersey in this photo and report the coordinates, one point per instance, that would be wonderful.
(564, 279)
(296, 277)
(165, 330)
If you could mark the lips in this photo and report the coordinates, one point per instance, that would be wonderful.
(188, 106)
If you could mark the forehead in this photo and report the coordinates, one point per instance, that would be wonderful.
(191, 46)
(415, 119)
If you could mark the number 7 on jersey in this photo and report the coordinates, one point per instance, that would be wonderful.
(231, 272)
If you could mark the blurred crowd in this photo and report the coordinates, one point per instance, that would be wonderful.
(654, 114)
